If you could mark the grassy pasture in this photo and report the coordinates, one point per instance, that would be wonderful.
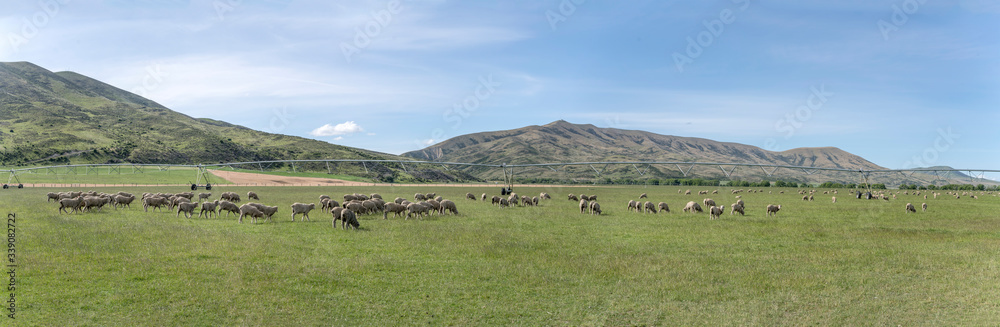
(856, 262)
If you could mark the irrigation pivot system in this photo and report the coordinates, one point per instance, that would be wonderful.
(202, 180)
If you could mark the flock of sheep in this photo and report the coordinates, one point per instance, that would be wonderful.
(423, 204)
(182, 203)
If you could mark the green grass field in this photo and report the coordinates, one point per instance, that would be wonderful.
(855, 262)
(148, 176)
(305, 174)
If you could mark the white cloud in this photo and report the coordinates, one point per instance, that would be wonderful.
(429, 142)
(338, 138)
(344, 128)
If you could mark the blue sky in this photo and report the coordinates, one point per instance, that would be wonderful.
(901, 83)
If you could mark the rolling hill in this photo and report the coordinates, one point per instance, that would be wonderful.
(561, 141)
(51, 118)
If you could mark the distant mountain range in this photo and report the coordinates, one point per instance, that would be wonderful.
(51, 118)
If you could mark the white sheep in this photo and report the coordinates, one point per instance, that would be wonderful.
(302, 208)
(187, 208)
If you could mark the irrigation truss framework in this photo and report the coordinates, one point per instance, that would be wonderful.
(640, 167)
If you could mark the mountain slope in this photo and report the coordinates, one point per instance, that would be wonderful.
(48, 117)
(561, 141)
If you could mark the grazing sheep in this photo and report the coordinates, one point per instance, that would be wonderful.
(642, 196)
(773, 209)
(228, 207)
(663, 207)
(438, 198)
(448, 205)
(496, 200)
(73, 203)
(687, 192)
(584, 197)
(52, 196)
(633, 205)
(177, 200)
(419, 197)
(736, 207)
(349, 219)
(545, 196)
(834, 199)
(805, 198)
(470, 196)
(526, 201)
(692, 207)
(484, 196)
(155, 201)
(208, 207)
(503, 203)
(302, 208)
(811, 197)
(649, 207)
(375, 196)
(534, 201)
(204, 196)
(336, 212)
(250, 210)
(513, 200)
(910, 208)
(708, 202)
(592, 198)
(595, 208)
(434, 205)
(187, 208)
(395, 208)
(252, 196)
(714, 212)
(740, 202)
(924, 206)
(584, 205)
(572, 197)
(418, 209)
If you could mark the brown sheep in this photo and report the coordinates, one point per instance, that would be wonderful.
(708, 202)
(773, 209)
(470, 196)
(336, 212)
(910, 208)
(349, 219)
(572, 197)
(496, 200)
(584, 205)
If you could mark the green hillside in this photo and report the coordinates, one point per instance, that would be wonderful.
(65, 117)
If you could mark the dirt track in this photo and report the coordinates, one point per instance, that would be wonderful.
(254, 179)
